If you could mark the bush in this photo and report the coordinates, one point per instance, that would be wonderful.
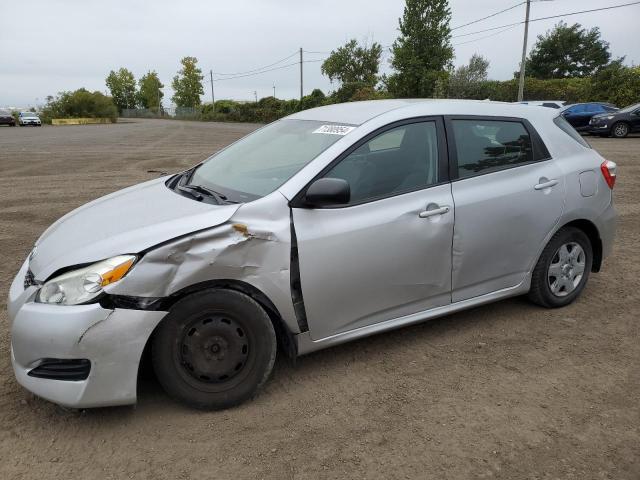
(79, 104)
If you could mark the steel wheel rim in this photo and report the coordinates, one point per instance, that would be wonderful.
(621, 129)
(214, 349)
(566, 269)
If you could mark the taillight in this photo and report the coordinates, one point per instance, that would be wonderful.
(608, 169)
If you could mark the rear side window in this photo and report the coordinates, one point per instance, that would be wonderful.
(569, 130)
(594, 108)
(485, 146)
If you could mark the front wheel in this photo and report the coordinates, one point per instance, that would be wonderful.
(620, 130)
(562, 270)
(214, 349)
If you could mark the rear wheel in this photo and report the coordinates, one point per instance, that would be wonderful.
(562, 270)
(214, 349)
(620, 130)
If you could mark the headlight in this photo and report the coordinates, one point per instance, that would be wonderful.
(85, 284)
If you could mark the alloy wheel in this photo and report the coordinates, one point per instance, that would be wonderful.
(566, 269)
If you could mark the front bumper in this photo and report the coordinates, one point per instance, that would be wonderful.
(112, 340)
(599, 128)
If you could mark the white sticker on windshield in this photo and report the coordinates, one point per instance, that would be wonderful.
(334, 129)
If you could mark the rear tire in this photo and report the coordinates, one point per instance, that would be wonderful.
(214, 349)
(620, 130)
(562, 270)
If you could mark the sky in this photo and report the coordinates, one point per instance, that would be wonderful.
(48, 46)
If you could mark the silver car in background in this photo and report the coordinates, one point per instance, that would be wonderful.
(332, 224)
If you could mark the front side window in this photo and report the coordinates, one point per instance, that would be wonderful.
(399, 160)
(261, 162)
(485, 146)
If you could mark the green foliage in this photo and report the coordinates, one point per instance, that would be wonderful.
(150, 93)
(187, 84)
(122, 85)
(423, 52)
(265, 110)
(568, 51)
(354, 67)
(618, 84)
(466, 81)
(79, 104)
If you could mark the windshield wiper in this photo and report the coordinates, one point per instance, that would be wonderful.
(200, 190)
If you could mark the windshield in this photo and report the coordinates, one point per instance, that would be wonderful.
(630, 108)
(259, 163)
(28, 114)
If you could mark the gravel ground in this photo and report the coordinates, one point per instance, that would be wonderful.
(505, 391)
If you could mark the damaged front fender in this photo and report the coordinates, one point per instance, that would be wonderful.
(252, 247)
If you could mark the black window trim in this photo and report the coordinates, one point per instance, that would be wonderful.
(540, 152)
(443, 162)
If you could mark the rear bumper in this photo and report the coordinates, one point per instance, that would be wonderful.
(606, 224)
(112, 340)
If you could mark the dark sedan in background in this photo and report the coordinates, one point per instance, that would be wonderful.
(618, 124)
(579, 114)
(7, 119)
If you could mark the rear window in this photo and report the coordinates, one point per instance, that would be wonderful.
(485, 146)
(569, 130)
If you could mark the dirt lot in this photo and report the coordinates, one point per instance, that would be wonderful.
(505, 391)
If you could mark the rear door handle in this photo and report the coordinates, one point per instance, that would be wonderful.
(549, 184)
(435, 211)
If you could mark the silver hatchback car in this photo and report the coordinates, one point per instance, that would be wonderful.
(332, 224)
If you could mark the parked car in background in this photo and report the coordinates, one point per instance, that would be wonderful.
(6, 118)
(29, 118)
(579, 114)
(617, 124)
(332, 224)
(546, 103)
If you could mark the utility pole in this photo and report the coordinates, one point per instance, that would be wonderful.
(255, 95)
(301, 89)
(524, 53)
(213, 100)
(274, 91)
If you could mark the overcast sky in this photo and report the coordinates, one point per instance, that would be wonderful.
(47, 46)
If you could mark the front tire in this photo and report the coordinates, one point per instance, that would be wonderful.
(620, 130)
(214, 349)
(562, 270)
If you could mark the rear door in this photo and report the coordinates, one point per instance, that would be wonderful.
(508, 195)
(387, 253)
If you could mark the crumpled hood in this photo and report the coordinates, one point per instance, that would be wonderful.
(127, 221)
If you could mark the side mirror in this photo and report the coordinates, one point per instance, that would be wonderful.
(326, 192)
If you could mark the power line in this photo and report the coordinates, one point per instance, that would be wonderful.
(568, 14)
(488, 16)
(268, 70)
(486, 36)
(257, 69)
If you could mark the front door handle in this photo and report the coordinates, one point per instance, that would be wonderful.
(548, 184)
(435, 211)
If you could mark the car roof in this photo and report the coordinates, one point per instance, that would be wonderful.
(357, 113)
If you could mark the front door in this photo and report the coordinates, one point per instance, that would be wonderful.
(387, 253)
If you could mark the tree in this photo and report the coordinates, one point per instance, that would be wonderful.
(566, 52)
(187, 84)
(354, 67)
(617, 83)
(423, 52)
(466, 81)
(79, 104)
(150, 93)
(122, 85)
